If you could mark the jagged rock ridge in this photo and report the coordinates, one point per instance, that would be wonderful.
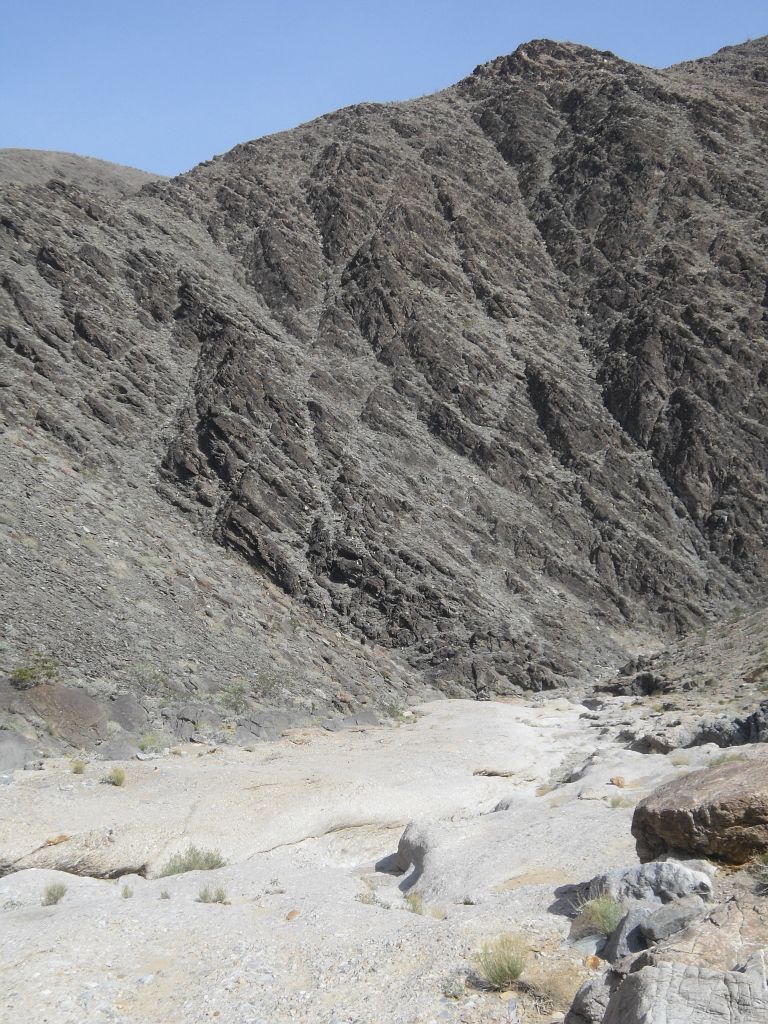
(479, 376)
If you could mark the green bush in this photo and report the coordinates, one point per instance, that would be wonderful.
(414, 903)
(603, 913)
(53, 894)
(152, 743)
(114, 777)
(501, 961)
(217, 895)
(759, 871)
(76, 766)
(192, 859)
(234, 697)
(39, 669)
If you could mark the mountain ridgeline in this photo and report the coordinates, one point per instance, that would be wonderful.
(479, 379)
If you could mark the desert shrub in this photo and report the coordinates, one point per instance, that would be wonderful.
(37, 669)
(501, 961)
(234, 697)
(454, 985)
(149, 677)
(76, 766)
(414, 903)
(164, 894)
(759, 871)
(207, 895)
(114, 777)
(152, 743)
(126, 892)
(194, 858)
(53, 894)
(603, 913)
(368, 898)
(551, 988)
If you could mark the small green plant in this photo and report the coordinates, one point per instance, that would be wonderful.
(501, 961)
(38, 669)
(114, 777)
(54, 893)
(194, 858)
(603, 913)
(368, 898)
(76, 766)
(414, 903)
(454, 985)
(234, 697)
(207, 895)
(164, 894)
(150, 679)
(759, 871)
(267, 683)
(152, 743)
(126, 892)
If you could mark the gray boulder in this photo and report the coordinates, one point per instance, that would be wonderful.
(629, 937)
(674, 993)
(659, 880)
(591, 1001)
(672, 918)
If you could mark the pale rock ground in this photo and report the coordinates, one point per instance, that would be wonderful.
(302, 822)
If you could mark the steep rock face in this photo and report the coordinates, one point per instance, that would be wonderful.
(480, 376)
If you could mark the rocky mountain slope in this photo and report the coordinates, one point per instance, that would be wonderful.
(472, 388)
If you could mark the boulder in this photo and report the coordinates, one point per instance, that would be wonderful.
(629, 937)
(591, 1001)
(673, 993)
(672, 918)
(660, 881)
(719, 812)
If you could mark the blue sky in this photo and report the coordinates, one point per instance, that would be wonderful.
(162, 85)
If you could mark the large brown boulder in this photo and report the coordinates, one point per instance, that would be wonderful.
(719, 812)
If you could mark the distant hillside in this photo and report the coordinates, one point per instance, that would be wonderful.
(478, 380)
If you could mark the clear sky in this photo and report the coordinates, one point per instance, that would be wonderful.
(163, 84)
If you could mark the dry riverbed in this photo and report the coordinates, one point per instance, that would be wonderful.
(316, 925)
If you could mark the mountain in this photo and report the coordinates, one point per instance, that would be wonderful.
(37, 167)
(463, 394)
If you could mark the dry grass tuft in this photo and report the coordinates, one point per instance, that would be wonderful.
(115, 777)
(194, 858)
(54, 893)
(502, 961)
(603, 913)
(207, 895)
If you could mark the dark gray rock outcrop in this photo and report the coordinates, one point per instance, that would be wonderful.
(478, 377)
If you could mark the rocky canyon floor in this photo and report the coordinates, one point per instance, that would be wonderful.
(321, 921)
